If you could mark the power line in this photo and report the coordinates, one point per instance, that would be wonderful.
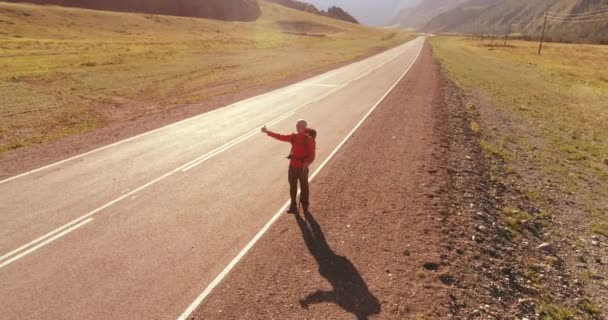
(574, 21)
(581, 14)
(605, 14)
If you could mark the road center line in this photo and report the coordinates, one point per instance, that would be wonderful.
(228, 146)
(22, 254)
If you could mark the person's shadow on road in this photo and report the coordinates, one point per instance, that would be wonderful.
(349, 290)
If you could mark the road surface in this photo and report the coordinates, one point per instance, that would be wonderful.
(141, 228)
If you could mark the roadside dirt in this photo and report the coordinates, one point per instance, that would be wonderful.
(32, 157)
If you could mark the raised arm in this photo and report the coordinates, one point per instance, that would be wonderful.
(280, 137)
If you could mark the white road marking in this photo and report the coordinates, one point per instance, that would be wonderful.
(230, 145)
(317, 85)
(281, 211)
(327, 74)
(22, 254)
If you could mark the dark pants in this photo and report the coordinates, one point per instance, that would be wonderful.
(301, 175)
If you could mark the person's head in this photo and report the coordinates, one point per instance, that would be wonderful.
(301, 126)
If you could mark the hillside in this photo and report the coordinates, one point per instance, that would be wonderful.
(525, 18)
(66, 71)
(232, 10)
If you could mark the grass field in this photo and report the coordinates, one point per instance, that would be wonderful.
(562, 96)
(547, 118)
(65, 71)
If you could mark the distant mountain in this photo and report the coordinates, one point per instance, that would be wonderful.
(338, 13)
(332, 12)
(368, 12)
(232, 10)
(418, 16)
(523, 17)
(298, 5)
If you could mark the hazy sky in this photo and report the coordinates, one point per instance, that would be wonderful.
(370, 12)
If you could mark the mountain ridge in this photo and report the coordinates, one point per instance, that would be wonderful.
(521, 17)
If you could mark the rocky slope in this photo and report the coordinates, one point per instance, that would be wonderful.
(332, 12)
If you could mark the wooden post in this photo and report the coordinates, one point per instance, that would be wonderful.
(542, 37)
(492, 37)
(507, 35)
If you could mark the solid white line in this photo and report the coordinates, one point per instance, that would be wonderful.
(231, 265)
(327, 74)
(267, 226)
(21, 255)
(317, 85)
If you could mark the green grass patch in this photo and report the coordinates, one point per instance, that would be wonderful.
(493, 150)
(549, 311)
(600, 228)
(514, 219)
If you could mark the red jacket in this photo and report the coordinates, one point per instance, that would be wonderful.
(302, 148)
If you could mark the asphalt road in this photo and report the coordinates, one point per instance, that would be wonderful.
(139, 229)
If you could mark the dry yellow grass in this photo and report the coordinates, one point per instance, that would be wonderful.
(561, 97)
(65, 70)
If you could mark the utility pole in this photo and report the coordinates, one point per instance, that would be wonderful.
(542, 37)
(507, 35)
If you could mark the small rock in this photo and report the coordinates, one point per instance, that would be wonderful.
(468, 157)
(595, 243)
(446, 279)
(433, 266)
(546, 247)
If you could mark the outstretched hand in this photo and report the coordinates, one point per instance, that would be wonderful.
(264, 130)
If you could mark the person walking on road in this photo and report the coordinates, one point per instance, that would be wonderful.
(301, 156)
